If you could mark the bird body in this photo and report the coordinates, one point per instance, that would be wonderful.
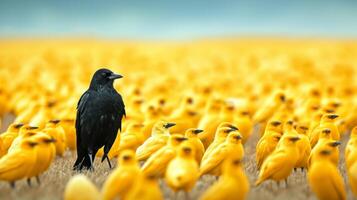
(55, 130)
(244, 124)
(324, 178)
(146, 188)
(99, 114)
(79, 187)
(192, 136)
(45, 153)
(232, 185)
(267, 144)
(324, 142)
(212, 164)
(17, 164)
(183, 171)
(221, 134)
(121, 180)
(8, 137)
(269, 107)
(158, 139)
(158, 161)
(278, 165)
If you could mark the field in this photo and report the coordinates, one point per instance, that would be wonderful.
(177, 70)
(54, 181)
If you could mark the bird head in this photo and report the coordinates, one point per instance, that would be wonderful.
(19, 125)
(186, 149)
(334, 143)
(192, 132)
(234, 137)
(224, 132)
(227, 124)
(176, 139)
(126, 156)
(162, 127)
(103, 77)
(28, 143)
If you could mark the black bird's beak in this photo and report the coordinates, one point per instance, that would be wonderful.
(19, 125)
(238, 137)
(197, 131)
(33, 127)
(115, 76)
(233, 127)
(294, 139)
(168, 125)
(335, 144)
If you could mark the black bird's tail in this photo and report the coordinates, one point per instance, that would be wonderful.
(84, 161)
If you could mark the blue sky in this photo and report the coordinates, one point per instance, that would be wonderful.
(178, 19)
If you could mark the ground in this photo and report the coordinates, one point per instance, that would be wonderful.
(54, 180)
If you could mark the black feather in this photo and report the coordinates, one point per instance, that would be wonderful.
(99, 114)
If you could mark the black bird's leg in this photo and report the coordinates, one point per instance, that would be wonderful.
(91, 161)
(12, 184)
(38, 180)
(286, 183)
(29, 182)
(110, 165)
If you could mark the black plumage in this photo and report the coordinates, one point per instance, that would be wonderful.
(99, 114)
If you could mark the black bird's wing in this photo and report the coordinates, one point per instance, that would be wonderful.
(115, 122)
(99, 116)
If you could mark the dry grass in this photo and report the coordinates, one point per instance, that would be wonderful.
(55, 179)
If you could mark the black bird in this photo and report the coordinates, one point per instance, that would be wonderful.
(99, 114)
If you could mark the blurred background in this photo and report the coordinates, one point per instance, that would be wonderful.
(183, 19)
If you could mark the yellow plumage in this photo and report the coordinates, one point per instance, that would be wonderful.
(183, 171)
(212, 164)
(233, 184)
(325, 179)
(121, 180)
(79, 187)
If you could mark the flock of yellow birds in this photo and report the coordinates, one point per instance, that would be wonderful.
(191, 107)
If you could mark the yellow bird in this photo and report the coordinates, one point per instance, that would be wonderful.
(325, 179)
(158, 139)
(267, 144)
(55, 130)
(191, 135)
(17, 164)
(158, 161)
(327, 121)
(70, 131)
(79, 187)
(183, 171)
(278, 165)
(210, 121)
(304, 148)
(45, 153)
(244, 124)
(41, 117)
(220, 136)
(152, 115)
(269, 107)
(351, 148)
(233, 184)
(212, 164)
(146, 188)
(131, 138)
(23, 135)
(121, 180)
(8, 137)
(326, 141)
